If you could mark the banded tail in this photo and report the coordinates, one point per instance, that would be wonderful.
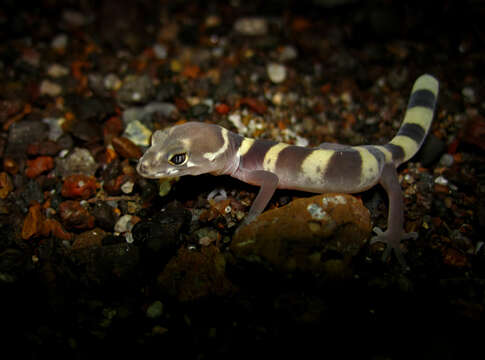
(417, 120)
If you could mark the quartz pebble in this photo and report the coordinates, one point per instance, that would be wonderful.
(276, 72)
(251, 26)
(80, 161)
(135, 90)
(50, 88)
(59, 42)
(56, 71)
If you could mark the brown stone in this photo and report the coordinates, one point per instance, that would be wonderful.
(298, 236)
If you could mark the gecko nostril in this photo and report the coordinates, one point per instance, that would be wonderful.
(142, 166)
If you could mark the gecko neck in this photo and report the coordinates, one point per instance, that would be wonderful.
(231, 158)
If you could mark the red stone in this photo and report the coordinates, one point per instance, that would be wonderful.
(79, 186)
(75, 216)
(222, 109)
(38, 166)
(254, 104)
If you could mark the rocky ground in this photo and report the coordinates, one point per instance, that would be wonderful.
(97, 261)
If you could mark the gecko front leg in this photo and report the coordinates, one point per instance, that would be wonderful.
(268, 183)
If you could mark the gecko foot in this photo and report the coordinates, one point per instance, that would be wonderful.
(393, 243)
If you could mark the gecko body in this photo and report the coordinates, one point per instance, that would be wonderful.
(196, 148)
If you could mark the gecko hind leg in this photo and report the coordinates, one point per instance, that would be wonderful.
(394, 233)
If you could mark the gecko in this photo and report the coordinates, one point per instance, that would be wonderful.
(195, 148)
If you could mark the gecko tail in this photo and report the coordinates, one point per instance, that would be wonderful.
(417, 120)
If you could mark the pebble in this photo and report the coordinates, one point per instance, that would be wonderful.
(31, 57)
(32, 225)
(79, 186)
(469, 94)
(124, 224)
(112, 82)
(10, 166)
(155, 310)
(106, 264)
(251, 26)
(207, 236)
(193, 275)
(276, 72)
(126, 148)
(160, 51)
(55, 129)
(113, 126)
(104, 215)
(50, 88)
(199, 110)
(79, 161)
(136, 89)
(159, 236)
(90, 238)
(6, 185)
(277, 99)
(222, 109)
(57, 71)
(447, 160)
(20, 133)
(298, 235)
(47, 147)
(59, 42)
(138, 133)
(254, 104)
(144, 114)
(127, 187)
(236, 120)
(38, 166)
(474, 132)
(441, 180)
(75, 216)
(32, 192)
(74, 18)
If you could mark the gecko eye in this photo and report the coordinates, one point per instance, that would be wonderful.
(178, 159)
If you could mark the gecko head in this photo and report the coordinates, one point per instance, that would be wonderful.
(189, 149)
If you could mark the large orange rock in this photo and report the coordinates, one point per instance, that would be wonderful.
(299, 235)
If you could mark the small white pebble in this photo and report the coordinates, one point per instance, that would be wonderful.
(346, 97)
(276, 72)
(59, 42)
(160, 51)
(441, 180)
(288, 53)
(251, 26)
(123, 224)
(409, 179)
(112, 82)
(127, 187)
(217, 194)
(50, 88)
(469, 94)
(56, 71)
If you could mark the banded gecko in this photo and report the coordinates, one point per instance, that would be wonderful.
(195, 148)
